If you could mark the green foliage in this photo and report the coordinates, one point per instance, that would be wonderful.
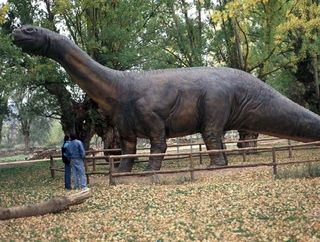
(3, 11)
(13, 158)
(55, 137)
(111, 32)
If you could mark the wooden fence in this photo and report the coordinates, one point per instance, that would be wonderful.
(91, 156)
(110, 161)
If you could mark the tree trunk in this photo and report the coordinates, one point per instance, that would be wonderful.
(54, 205)
(316, 78)
(237, 45)
(25, 129)
(85, 120)
(3, 112)
(111, 139)
(109, 135)
(1, 123)
(26, 137)
(179, 36)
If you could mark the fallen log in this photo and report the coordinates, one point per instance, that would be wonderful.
(54, 205)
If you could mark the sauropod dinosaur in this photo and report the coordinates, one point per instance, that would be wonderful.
(175, 102)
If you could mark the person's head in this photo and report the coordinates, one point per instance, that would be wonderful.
(73, 136)
(66, 138)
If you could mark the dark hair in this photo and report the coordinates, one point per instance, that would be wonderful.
(73, 136)
(66, 138)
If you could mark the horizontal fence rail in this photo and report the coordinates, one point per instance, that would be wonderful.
(192, 169)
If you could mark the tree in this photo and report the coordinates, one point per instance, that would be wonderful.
(45, 76)
(3, 111)
(10, 59)
(302, 30)
(250, 35)
(22, 109)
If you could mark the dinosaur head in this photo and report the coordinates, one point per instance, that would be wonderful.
(33, 40)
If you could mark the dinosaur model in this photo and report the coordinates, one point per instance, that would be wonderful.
(175, 102)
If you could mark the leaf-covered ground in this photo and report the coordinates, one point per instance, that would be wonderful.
(240, 205)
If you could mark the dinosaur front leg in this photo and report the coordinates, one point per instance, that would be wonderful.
(158, 145)
(128, 146)
(153, 126)
(213, 141)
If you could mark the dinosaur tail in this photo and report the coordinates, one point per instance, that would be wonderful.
(278, 116)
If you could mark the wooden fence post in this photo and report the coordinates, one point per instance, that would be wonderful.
(93, 162)
(200, 149)
(86, 169)
(274, 161)
(191, 168)
(111, 167)
(244, 156)
(52, 166)
(290, 148)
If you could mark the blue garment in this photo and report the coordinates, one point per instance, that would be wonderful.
(75, 150)
(67, 166)
(76, 153)
(67, 176)
(80, 180)
(64, 146)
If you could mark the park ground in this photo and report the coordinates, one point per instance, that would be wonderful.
(239, 205)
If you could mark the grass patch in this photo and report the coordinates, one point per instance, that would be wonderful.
(13, 158)
(309, 170)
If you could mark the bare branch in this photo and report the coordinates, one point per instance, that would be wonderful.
(176, 56)
(246, 43)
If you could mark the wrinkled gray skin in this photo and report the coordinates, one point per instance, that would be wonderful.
(175, 102)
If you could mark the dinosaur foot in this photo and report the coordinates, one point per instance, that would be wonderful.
(218, 164)
(153, 166)
(123, 167)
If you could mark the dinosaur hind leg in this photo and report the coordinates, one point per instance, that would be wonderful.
(128, 146)
(213, 141)
(158, 145)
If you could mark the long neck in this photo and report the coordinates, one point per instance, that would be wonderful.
(100, 83)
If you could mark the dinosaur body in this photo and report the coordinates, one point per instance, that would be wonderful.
(175, 102)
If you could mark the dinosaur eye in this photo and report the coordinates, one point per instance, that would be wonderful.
(30, 29)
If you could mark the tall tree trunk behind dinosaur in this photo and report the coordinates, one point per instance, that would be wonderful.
(315, 64)
(109, 134)
(85, 121)
(1, 124)
(75, 117)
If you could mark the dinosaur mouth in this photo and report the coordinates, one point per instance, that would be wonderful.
(16, 41)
